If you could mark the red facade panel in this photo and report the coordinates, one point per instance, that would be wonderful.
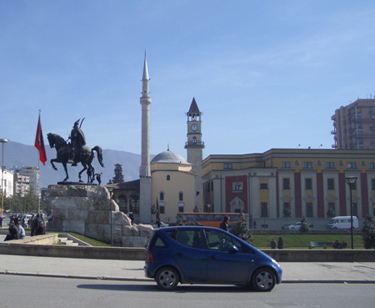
(364, 194)
(298, 195)
(320, 194)
(342, 194)
(230, 194)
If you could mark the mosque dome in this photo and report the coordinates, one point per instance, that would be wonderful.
(169, 157)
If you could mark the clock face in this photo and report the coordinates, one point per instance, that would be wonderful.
(194, 127)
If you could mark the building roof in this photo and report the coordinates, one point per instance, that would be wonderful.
(169, 157)
(193, 107)
(131, 185)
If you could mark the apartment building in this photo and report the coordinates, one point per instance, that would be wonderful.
(354, 126)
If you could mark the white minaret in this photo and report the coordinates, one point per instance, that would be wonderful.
(145, 172)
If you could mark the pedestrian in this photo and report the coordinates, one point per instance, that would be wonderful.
(13, 234)
(20, 229)
(273, 244)
(40, 225)
(224, 223)
(31, 224)
(255, 224)
(336, 244)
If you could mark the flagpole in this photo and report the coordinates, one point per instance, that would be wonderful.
(38, 187)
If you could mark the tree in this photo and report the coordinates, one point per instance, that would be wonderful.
(305, 226)
(330, 212)
(241, 230)
(369, 232)
(119, 176)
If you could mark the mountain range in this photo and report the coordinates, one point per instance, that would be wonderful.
(17, 155)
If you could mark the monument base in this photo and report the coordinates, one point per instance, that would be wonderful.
(88, 209)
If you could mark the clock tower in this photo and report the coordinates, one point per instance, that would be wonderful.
(194, 147)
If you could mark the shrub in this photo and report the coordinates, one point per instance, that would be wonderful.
(280, 243)
(305, 227)
(369, 232)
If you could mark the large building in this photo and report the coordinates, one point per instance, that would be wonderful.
(354, 126)
(281, 186)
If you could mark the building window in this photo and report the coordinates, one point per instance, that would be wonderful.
(212, 186)
(162, 208)
(373, 184)
(308, 184)
(168, 177)
(264, 209)
(180, 196)
(355, 209)
(287, 212)
(286, 184)
(331, 184)
(352, 165)
(307, 164)
(194, 140)
(237, 186)
(309, 209)
(181, 207)
(372, 165)
(285, 164)
(228, 166)
(263, 186)
(161, 196)
(330, 165)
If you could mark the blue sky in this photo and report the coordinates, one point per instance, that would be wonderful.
(265, 74)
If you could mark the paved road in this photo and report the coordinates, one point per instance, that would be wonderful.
(133, 270)
(31, 291)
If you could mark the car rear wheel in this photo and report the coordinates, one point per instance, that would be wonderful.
(263, 280)
(167, 278)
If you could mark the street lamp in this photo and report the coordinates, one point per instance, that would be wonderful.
(2, 141)
(351, 180)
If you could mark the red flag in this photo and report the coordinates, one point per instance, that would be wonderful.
(39, 143)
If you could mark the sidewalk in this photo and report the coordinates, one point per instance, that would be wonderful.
(295, 272)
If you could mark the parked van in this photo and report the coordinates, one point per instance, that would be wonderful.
(342, 222)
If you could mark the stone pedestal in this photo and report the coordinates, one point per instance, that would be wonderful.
(89, 210)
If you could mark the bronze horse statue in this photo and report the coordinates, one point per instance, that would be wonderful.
(64, 153)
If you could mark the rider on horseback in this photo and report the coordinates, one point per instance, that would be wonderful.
(78, 140)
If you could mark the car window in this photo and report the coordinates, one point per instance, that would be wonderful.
(221, 241)
(157, 241)
(190, 238)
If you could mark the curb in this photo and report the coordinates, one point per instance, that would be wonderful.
(151, 280)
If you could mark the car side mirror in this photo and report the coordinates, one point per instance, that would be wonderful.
(234, 249)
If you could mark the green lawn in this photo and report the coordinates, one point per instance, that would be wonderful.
(302, 241)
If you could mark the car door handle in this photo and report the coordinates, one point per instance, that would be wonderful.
(212, 257)
(179, 254)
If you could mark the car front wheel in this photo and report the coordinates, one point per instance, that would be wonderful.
(167, 278)
(263, 280)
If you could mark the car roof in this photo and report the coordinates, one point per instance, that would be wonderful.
(187, 227)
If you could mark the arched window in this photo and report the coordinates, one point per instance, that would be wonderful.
(122, 203)
(161, 196)
(161, 208)
(181, 207)
(194, 140)
(168, 177)
(134, 204)
(180, 196)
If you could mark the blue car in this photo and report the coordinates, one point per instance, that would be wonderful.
(207, 255)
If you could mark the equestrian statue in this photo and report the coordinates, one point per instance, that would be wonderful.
(75, 152)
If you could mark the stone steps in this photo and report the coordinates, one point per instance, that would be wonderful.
(67, 242)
